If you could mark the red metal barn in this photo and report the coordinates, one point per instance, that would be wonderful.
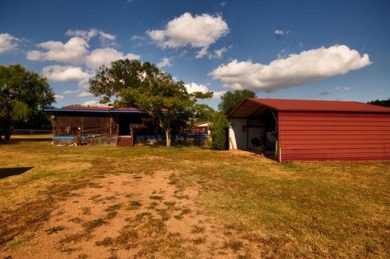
(291, 130)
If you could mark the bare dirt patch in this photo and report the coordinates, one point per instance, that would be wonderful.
(130, 215)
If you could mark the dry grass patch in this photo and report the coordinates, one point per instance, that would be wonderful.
(253, 207)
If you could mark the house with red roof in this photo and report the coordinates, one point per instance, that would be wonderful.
(291, 130)
(127, 126)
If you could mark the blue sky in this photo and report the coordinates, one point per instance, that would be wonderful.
(304, 49)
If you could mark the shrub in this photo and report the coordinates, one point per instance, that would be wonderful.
(218, 132)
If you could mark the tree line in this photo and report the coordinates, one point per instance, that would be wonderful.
(125, 83)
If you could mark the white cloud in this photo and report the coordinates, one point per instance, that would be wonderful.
(64, 73)
(87, 35)
(137, 38)
(91, 103)
(280, 32)
(216, 54)
(193, 87)
(199, 31)
(203, 52)
(58, 97)
(72, 51)
(7, 42)
(94, 103)
(219, 52)
(165, 62)
(84, 83)
(218, 95)
(343, 88)
(68, 92)
(106, 36)
(85, 94)
(76, 50)
(105, 56)
(294, 70)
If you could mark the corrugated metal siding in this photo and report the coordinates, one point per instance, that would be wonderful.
(334, 136)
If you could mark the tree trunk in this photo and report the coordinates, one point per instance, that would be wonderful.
(168, 137)
(7, 129)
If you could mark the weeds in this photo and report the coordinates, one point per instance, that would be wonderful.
(108, 241)
(134, 205)
(54, 230)
(155, 197)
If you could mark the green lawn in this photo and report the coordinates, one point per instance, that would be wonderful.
(300, 209)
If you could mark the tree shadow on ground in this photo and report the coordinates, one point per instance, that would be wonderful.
(6, 172)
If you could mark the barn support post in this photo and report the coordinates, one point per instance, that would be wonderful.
(247, 135)
(110, 125)
(82, 126)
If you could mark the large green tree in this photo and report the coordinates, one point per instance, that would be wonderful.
(231, 99)
(130, 83)
(23, 96)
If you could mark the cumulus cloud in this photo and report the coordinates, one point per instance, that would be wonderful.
(68, 92)
(216, 54)
(84, 94)
(93, 103)
(137, 38)
(280, 32)
(79, 58)
(105, 56)
(77, 50)
(218, 94)
(72, 51)
(58, 97)
(165, 62)
(343, 88)
(295, 70)
(64, 73)
(89, 34)
(193, 87)
(7, 42)
(69, 73)
(198, 31)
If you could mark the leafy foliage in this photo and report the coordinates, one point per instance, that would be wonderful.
(164, 100)
(385, 103)
(231, 99)
(135, 84)
(203, 113)
(23, 96)
(218, 132)
(122, 76)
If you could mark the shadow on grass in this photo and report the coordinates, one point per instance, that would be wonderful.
(6, 172)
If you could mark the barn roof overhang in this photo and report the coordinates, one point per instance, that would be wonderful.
(255, 107)
(250, 109)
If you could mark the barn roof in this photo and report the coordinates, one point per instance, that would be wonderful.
(253, 106)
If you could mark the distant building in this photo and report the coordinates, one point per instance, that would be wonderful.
(109, 126)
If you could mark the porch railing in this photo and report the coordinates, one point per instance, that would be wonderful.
(97, 132)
